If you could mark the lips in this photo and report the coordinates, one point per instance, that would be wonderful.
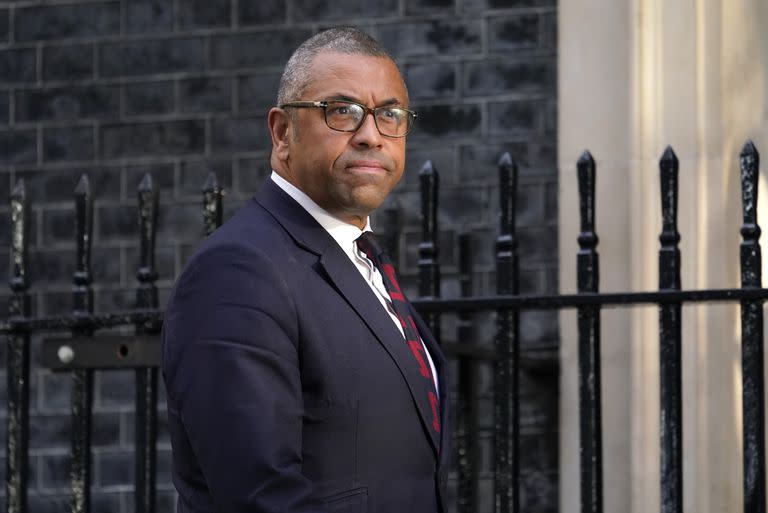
(366, 166)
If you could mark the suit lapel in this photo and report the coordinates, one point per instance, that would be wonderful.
(351, 285)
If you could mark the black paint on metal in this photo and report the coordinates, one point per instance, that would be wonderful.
(507, 365)
(17, 441)
(587, 270)
(429, 267)
(82, 379)
(752, 364)
(146, 378)
(101, 353)
(212, 210)
(670, 340)
(466, 406)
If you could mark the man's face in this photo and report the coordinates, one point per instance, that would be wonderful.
(349, 174)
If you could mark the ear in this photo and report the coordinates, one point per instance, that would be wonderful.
(279, 124)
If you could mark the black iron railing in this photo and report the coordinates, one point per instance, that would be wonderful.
(87, 350)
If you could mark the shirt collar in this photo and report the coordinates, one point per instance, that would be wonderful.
(343, 233)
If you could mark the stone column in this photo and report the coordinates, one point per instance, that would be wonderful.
(635, 76)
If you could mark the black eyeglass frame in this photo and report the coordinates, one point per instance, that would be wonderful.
(323, 104)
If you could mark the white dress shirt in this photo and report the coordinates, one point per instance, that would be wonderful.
(345, 235)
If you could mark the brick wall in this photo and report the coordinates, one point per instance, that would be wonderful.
(176, 88)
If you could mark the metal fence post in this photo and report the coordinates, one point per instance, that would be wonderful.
(146, 378)
(466, 410)
(752, 365)
(17, 441)
(82, 379)
(670, 359)
(589, 345)
(507, 365)
(429, 267)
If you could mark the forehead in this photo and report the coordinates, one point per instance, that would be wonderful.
(360, 77)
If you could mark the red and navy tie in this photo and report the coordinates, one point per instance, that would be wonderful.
(370, 246)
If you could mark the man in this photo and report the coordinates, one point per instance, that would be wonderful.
(299, 378)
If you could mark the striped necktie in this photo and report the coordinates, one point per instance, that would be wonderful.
(370, 246)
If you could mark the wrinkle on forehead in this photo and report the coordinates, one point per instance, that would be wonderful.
(333, 66)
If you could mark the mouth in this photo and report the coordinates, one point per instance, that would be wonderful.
(366, 166)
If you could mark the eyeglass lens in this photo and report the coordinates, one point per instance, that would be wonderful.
(349, 116)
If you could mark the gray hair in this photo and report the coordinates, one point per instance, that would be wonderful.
(347, 40)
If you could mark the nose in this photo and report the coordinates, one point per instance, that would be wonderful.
(368, 135)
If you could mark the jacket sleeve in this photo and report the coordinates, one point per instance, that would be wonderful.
(231, 366)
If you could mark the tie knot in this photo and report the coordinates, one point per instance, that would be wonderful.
(370, 246)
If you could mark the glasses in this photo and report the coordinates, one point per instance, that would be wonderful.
(344, 116)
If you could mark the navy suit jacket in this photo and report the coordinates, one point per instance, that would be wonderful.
(290, 389)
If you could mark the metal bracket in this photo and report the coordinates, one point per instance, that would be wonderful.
(104, 352)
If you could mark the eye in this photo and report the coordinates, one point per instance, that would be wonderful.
(342, 109)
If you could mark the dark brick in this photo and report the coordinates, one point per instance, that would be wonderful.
(517, 118)
(67, 103)
(269, 48)
(106, 502)
(162, 178)
(65, 21)
(68, 62)
(147, 139)
(259, 12)
(183, 222)
(18, 146)
(251, 173)
(193, 174)
(205, 95)
(17, 66)
(510, 33)
(204, 13)
(480, 161)
(116, 222)
(549, 30)
(148, 16)
(473, 201)
(447, 121)
(257, 91)
(538, 244)
(4, 107)
(422, 6)
(115, 389)
(501, 76)
(149, 98)
(551, 201)
(48, 431)
(105, 265)
(539, 492)
(443, 159)
(313, 10)
(59, 184)
(49, 503)
(110, 300)
(165, 256)
(240, 134)
(54, 473)
(481, 5)
(105, 429)
(430, 80)
(51, 266)
(4, 25)
(530, 205)
(149, 57)
(116, 468)
(68, 143)
(58, 225)
(436, 37)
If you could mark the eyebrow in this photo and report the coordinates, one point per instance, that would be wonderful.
(386, 103)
